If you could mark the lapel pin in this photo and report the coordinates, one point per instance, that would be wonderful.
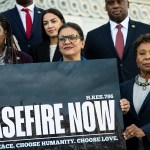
(133, 26)
(18, 58)
(38, 12)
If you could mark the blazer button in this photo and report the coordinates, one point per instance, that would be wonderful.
(29, 45)
(121, 65)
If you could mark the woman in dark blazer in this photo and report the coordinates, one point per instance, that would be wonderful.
(8, 51)
(137, 91)
(48, 51)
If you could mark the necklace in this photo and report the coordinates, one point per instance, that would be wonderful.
(144, 85)
(2, 51)
(2, 57)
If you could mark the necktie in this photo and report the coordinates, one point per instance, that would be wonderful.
(119, 42)
(28, 22)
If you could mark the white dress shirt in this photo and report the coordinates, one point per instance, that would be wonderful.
(124, 29)
(23, 14)
(139, 94)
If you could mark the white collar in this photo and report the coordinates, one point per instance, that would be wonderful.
(30, 7)
(142, 79)
(124, 23)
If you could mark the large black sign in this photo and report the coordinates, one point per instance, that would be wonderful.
(61, 106)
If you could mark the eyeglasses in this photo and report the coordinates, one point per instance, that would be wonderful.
(72, 38)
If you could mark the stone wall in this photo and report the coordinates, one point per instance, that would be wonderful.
(89, 14)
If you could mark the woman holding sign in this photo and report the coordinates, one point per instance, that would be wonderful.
(71, 41)
(137, 91)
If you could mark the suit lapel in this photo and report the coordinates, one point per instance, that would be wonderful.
(131, 33)
(17, 20)
(108, 38)
(36, 20)
(130, 91)
(57, 54)
(145, 102)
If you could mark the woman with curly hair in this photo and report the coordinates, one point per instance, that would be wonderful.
(8, 50)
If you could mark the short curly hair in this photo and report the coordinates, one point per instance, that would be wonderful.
(145, 38)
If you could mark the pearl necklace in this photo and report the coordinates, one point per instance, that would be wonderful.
(144, 85)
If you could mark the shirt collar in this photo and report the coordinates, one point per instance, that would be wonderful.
(30, 7)
(142, 79)
(124, 23)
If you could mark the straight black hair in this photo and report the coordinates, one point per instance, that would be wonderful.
(74, 26)
(55, 12)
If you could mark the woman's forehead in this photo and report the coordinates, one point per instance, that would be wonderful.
(69, 30)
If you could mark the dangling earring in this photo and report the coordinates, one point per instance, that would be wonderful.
(5, 42)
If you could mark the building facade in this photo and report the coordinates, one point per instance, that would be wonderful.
(89, 14)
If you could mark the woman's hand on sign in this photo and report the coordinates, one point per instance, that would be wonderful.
(125, 105)
(133, 131)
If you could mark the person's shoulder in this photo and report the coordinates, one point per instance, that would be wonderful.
(21, 53)
(83, 58)
(39, 10)
(138, 23)
(23, 57)
(127, 83)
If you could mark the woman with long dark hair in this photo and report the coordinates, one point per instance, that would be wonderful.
(47, 51)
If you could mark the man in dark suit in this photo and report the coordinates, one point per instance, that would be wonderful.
(17, 19)
(100, 42)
